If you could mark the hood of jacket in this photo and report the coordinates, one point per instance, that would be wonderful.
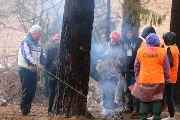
(169, 38)
(152, 40)
(128, 28)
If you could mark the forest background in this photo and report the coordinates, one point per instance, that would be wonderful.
(18, 16)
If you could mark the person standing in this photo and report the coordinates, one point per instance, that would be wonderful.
(152, 70)
(130, 43)
(51, 57)
(31, 59)
(111, 68)
(173, 56)
(144, 34)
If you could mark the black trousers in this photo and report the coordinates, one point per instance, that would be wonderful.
(169, 98)
(128, 96)
(28, 81)
(52, 85)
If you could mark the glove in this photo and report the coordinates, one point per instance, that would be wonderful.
(168, 81)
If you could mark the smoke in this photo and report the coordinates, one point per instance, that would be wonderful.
(109, 76)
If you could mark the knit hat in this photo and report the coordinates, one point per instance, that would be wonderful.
(34, 29)
(169, 38)
(147, 31)
(115, 35)
(152, 40)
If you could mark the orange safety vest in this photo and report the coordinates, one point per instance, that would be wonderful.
(143, 44)
(174, 69)
(151, 66)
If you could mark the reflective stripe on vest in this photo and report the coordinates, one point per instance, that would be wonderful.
(151, 66)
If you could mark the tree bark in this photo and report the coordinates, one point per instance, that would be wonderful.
(74, 58)
(175, 27)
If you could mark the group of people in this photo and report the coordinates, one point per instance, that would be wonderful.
(134, 74)
(31, 60)
(117, 70)
(138, 75)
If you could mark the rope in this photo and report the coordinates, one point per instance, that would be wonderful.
(71, 87)
(75, 89)
(65, 83)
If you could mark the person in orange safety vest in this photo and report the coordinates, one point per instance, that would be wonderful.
(135, 113)
(173, 56)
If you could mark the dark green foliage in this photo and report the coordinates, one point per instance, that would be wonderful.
(135, 13)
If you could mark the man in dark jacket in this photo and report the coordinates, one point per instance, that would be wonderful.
(51, 58)
(130, 43)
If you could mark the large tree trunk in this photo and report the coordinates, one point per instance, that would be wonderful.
(175, 27)
(75, 58)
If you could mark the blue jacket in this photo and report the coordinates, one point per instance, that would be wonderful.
(30, 42)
